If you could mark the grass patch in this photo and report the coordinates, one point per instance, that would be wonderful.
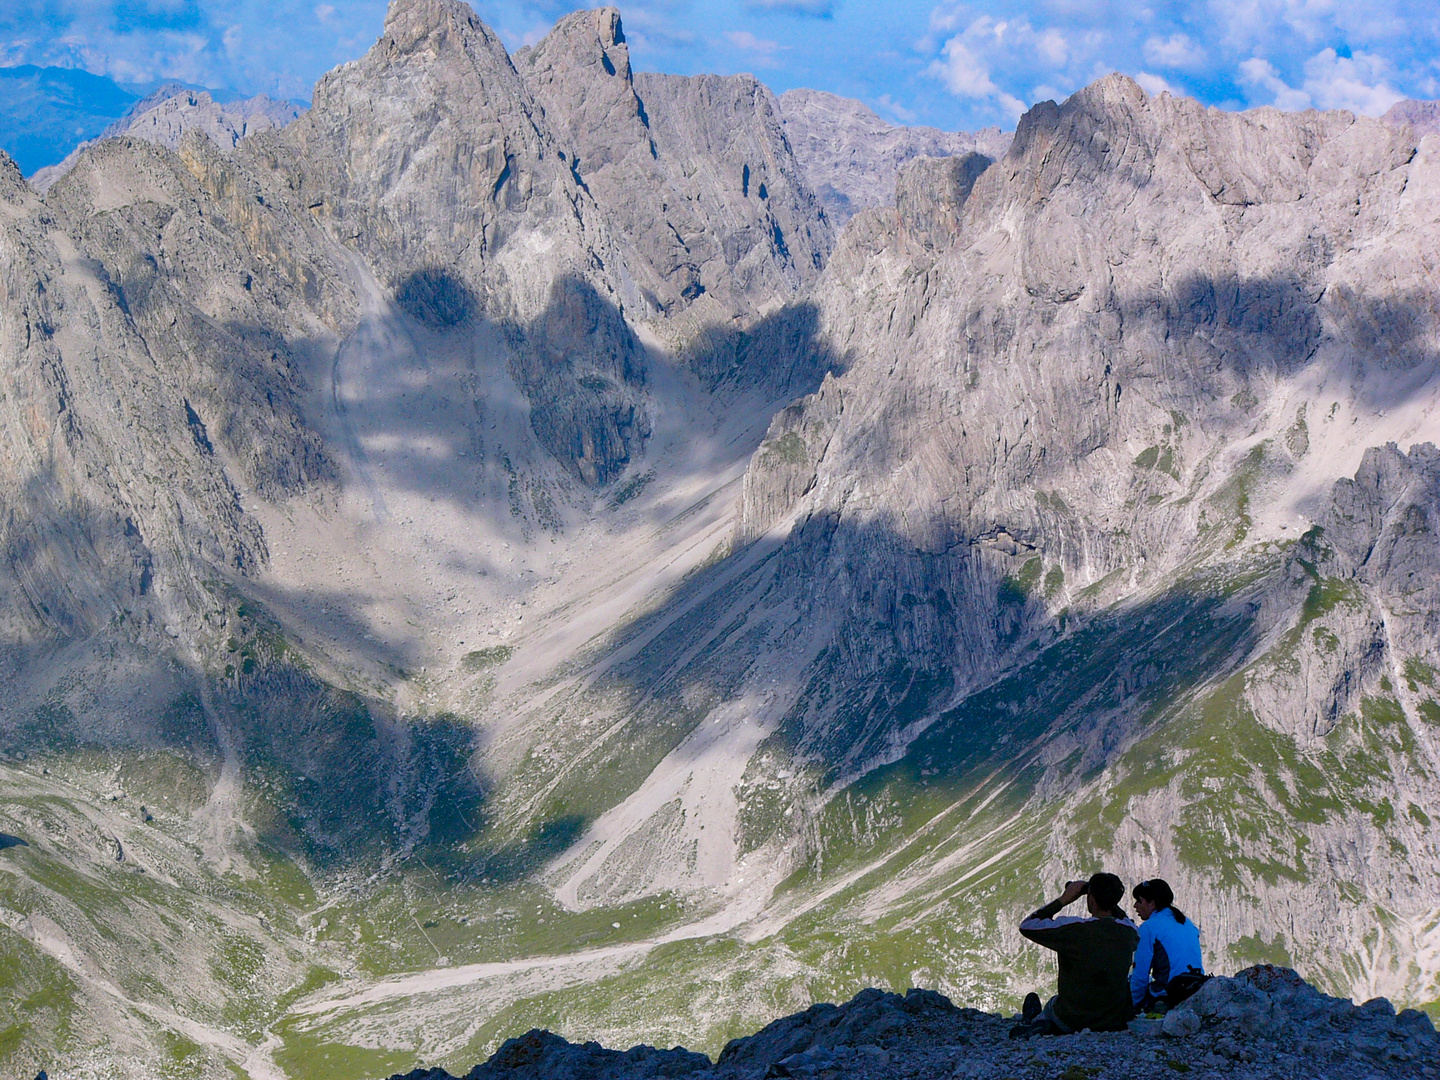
(631, 488)
(479, 659)
(304, 1056)
(788, 449)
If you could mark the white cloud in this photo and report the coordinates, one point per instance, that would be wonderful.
(886, 104)
(1262, 75)
(1053, 47)
(963, 72)
(1176, 51)
(966, 75)
(1359, 83)
(762, 50)
(1154, 85)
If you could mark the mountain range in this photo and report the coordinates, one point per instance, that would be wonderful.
(532, 543)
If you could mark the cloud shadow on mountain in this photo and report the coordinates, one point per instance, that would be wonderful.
(452, 406)
(927, 681)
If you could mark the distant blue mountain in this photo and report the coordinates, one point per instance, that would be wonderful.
(46, 112)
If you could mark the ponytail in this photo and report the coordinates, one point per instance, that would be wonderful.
(1158, 892)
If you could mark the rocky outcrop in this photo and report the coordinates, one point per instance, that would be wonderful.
(930, 196)
(1125, 338)
(1265, 1022)
(1421, 117)
(851, 157)
(165, 116)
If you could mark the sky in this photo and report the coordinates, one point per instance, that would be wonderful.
(954, 65)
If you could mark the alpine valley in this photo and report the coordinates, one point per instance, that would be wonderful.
(530, 543)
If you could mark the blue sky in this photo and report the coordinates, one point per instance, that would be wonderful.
(952, 64)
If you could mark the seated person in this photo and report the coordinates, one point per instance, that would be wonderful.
(1094, 957)
(1169, 947)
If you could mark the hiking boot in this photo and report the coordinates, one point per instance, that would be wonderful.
(1032, 1008)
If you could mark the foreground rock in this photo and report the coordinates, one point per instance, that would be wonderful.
(1264, 1022)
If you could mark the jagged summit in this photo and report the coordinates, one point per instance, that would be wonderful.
(13, 179)
(434, 25)
(1423, 117)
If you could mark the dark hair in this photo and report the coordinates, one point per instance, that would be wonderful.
(1158, 892)
(1107, 890)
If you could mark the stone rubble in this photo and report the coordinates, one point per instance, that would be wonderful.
(1266, 1022)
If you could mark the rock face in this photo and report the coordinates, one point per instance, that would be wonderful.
(454, 170)
(727, 154)
(84, 539)
(694, 175)
(430, 156)
(491, 532)
(1114, 373)
(930, 196)
(1265, 1022)
(851, 157)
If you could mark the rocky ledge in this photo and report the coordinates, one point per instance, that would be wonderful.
(1266, 1022)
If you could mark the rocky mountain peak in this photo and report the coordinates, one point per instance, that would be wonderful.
(583, 39)
(1422, 117)
(1093, 130)
(1112, 92)
(580, 72)
(11, 179)
(170, 113)
(433, 26)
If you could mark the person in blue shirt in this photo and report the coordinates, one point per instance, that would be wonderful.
(1169, 947)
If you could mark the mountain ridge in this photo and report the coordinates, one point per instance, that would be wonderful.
(475, 623)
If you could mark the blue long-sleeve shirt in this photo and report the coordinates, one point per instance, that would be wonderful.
(1167, 948)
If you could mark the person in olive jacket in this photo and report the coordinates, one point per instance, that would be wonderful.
(1094, 955)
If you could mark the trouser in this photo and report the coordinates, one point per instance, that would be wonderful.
(1056, 1024)
(1047, 1023)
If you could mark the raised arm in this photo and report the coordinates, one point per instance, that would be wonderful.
(1073, 891)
